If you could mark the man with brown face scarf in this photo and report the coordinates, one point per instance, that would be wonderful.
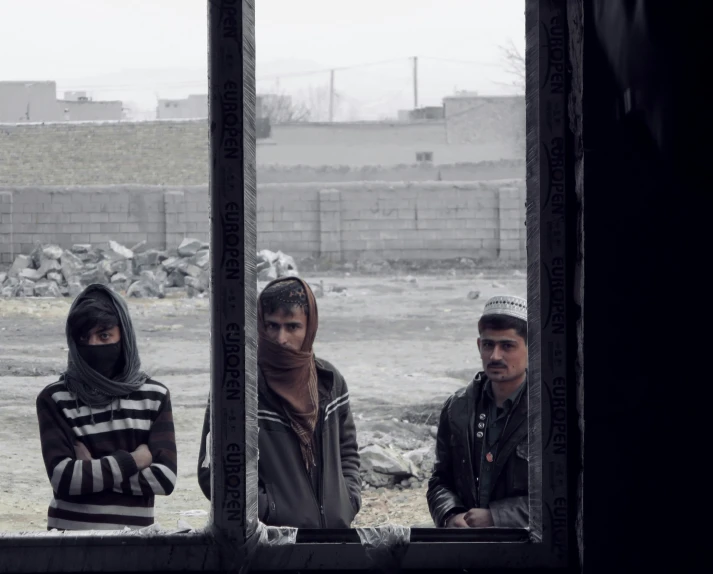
(106, 428)
(308, 470)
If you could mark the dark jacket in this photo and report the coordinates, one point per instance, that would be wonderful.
(286, 495)
(453, 484)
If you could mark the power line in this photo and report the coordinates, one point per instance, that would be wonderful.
(196, 83)
(328, 70)
(466, 62)
(204, 84)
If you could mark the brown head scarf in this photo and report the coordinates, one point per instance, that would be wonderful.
(292, 374)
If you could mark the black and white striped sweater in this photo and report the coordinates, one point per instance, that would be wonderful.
(108, 492)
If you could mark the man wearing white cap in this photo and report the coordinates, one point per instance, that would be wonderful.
(481, 471)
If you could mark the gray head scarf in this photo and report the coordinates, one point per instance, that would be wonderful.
(89, 386)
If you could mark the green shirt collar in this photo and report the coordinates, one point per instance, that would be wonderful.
(511, 400)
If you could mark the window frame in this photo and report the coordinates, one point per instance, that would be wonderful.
(235, 536)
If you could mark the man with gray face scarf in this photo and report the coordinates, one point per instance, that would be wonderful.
(106, 428)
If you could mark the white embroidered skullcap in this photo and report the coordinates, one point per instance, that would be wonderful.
(507, 305)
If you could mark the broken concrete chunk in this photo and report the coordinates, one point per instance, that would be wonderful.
(119, 278)
(161, 275)
(52, 252)
(267, 256)
(55, 276)
(36, 256)
(122, 266)
(46, 288)
(378, 479)
(285, 264)
(268, 274)
(118, 251)
(95, 275)
(148, 257)
(105, 266)
(140, 246)
(21, 262)
(74, 287)
(71, 265)
(146, 286)
(175, 279)
(201, 259)
(25, 288)
(171, 264)
(192, 270)
(190, 247)
(30, 274)
(384, 461)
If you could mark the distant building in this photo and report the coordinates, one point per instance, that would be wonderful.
(86, 110)
(192, 107)
(76, 97)
(37, 102)
(474, 119)
(427, 113)
(28, 102)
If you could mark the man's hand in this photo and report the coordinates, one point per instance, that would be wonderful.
(81, 451)
(479, 518)
(142, 457)
(457, 521)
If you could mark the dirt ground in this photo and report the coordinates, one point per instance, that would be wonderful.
(399, 343)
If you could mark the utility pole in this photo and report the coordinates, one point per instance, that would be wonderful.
(331, 96)
(415, 82)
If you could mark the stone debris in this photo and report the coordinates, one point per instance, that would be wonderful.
(51, 271)
(271, 265)
(395, 454)
(384, 461)
(190, 247)
(21, 262)
(52, 252)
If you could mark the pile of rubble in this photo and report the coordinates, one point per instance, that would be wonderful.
(395, 454)
(50, 271)
(273, 264)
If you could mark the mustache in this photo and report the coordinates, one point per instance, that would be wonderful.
(496, 364)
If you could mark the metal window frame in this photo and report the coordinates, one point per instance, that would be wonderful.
(235, 538)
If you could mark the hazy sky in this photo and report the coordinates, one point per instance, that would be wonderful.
(140, 49)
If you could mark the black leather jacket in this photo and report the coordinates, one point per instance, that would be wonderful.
(453, 485)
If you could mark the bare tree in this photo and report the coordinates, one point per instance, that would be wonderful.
(310, 106)
(514, 64)
(279, 109)
(316, 101)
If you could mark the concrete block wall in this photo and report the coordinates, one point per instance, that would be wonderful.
(288, 219)
(69, 215)
(338, 222)
(424, 220)
(7, 240)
